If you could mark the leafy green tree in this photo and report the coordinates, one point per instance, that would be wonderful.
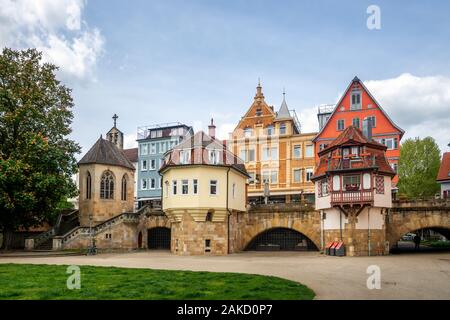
(418, 168)
(37, 160)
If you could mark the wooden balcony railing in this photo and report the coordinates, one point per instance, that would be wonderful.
(359, 196)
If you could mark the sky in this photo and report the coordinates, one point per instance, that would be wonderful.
(192, 60)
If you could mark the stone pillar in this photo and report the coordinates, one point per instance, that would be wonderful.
(29, 244)
(57, 244)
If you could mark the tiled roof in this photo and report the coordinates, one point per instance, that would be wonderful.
(351, 135)
(283, 113)
(131, 154)
(444, 170)
(199, 145)
(106, 152)
(372, 157)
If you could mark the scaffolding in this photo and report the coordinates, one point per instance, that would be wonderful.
(144, 131)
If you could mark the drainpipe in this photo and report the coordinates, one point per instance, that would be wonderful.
(340, 222)
(368, 229)
(322, 240)
(228, 214)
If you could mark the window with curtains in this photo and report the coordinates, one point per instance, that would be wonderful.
(88, 186)
(124, 188)
(107, 186)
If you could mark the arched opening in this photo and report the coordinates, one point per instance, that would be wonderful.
(107, 185)
(281, 239)
(158, 238)
(88, 185)
(140, 240)
(426, 240)
(123, 196)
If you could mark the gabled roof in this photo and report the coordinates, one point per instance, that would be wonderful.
(106, 152)
(444, 169)
(374, 157)
(198, 145)
(357, 80)
(351, 135)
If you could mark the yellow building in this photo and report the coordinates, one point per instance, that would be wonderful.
(275, 152)
(203, 184)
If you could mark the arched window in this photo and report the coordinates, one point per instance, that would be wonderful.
(107, 186)
(88, 185)
(124, 188)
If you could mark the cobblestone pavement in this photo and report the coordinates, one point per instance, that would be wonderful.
(405, 276)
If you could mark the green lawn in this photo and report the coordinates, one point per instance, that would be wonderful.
(49, 282)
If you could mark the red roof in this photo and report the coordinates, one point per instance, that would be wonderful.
(199, 146)
(444, 170)
(372, 155)
(131, 154)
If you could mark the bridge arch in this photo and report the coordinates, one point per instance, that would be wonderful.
(283, 239)
(402, 224)
(253, 225)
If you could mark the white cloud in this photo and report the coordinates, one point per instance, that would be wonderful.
(419, 105)
(56, 28)
(129, 141)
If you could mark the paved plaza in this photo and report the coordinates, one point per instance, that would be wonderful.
(404, 276)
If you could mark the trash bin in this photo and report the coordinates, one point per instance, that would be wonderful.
(339, 250)
(328, 247)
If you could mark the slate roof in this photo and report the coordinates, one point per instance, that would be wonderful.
(106, 152)
(199, 144)
(444, 170)
(283, 113)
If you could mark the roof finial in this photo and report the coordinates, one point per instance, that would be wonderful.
(115, 116)
(284, 92)
(259, 93)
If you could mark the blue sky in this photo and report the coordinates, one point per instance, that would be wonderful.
(188, 61)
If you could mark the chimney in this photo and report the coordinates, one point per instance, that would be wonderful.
(367, 128)
(212, 129)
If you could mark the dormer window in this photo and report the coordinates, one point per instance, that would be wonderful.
(185, 156)
(345, 152)
(355, 100)
(214, 156)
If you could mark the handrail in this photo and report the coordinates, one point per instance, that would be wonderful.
(42, 237)
(132, 216)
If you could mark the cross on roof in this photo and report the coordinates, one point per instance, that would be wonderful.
(115, 119)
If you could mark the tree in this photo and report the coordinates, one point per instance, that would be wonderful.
(418, 168)
(37, 160)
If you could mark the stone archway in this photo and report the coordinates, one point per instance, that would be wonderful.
(403, 223)
(281, 239)
(250, 226)
(158, 238)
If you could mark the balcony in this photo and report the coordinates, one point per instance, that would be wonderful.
(352, 197)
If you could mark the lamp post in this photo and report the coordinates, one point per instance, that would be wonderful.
(92, 250)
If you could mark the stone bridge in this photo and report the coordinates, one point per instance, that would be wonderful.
(404, 217)
(410, 216)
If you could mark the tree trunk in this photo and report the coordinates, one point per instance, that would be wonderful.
(7, 239)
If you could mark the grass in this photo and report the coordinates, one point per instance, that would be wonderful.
(48, 282)
(437, 244)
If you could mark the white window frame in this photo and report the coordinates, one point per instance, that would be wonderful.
(312, 151)
(153, 148)
(185, 156)
(309, 171)
(337, 124)
(144, 167)
(213, 156)
(174, 187)
(152, 181)
(194, 186)
(297, 146)
(152, 167)
(144, 149)
(300, 176)
(217, 187)
(184, 183)
(144, 181)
